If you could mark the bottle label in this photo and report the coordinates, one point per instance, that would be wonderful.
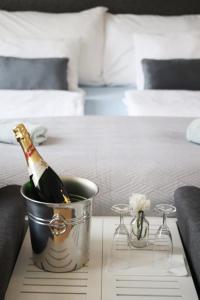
(29, 151)
(37, 169)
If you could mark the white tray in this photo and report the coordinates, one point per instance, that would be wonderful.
(94, 282)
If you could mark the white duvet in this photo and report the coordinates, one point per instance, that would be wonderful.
(173, 103)
(40, 103)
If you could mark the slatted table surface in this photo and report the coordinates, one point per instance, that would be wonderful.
(96, 281)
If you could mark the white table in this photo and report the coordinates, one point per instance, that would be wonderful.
(94, 282)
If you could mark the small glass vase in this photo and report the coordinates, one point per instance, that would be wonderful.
(139, 231)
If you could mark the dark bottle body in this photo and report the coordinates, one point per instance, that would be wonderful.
(45, 182)
(50, 187)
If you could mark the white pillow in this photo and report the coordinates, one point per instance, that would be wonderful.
(36, 48)
(163, 103)
(87, 26)
(40, 103)
(119, 65)
(169, 46)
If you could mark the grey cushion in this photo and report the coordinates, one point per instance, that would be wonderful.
(177, 74)
(156, 7)
(33, 74)
(11, 232)
(187, 201)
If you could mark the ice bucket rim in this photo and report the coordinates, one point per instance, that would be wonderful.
(63, 205)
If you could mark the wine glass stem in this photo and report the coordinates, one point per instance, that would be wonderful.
(121, 219)
(164, 220)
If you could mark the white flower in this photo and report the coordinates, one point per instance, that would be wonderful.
(139, 202)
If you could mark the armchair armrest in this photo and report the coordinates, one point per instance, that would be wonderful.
(12, 226)
(187, 201)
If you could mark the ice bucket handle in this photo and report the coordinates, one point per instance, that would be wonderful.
(58, 224)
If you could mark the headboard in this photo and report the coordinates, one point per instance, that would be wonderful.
(158, 7)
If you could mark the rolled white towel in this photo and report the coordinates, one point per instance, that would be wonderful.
(193, 132)
(38, 132)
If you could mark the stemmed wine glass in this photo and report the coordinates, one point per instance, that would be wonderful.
(120, 240)
(121, 234)
(163, 243)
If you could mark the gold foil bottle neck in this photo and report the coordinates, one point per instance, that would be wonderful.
(21, 132)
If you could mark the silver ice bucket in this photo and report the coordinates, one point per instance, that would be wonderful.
(60, 233)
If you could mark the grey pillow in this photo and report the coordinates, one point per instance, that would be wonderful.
(175, 74)
(33, 73)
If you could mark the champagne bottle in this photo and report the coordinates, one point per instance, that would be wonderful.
(46, 182)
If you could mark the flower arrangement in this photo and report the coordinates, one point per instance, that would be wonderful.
(139, 202)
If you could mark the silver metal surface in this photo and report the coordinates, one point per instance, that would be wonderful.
(60, 232)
